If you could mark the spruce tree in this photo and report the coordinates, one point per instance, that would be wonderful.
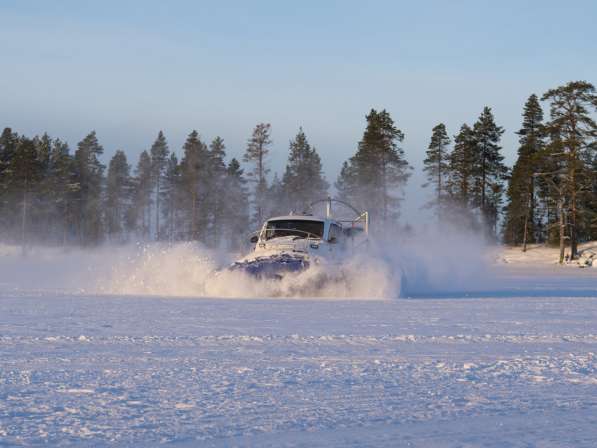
(193, 168)
(256, 154)
(90, 177)
(303, 181)
(378, 170)
(159, 157)
(571, 107)
(522, 223)
(489, 171)
(436, 165)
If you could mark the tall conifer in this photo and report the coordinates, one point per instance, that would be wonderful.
(25, 172)
(489, 171)
(159, 158)
(522, 223)
(303, 180)
(571, 107)
(436, 166)
(90, 177)
(256, 154)
(236, 209)
(193, 169)
(118, 196)
(373, 177)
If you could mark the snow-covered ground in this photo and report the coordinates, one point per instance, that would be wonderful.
(538, 254)
(500, 356)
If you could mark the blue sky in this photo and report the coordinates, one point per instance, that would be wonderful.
(128, 69)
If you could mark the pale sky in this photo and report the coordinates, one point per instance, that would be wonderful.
(130, 68)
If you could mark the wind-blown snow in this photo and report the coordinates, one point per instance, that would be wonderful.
(385, 270)
(186, 270)
(507, 360)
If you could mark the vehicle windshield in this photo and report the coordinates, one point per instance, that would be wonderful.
(299, 228)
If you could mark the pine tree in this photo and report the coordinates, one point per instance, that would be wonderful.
(303, 181)
(571, 107)
(550, 189)
(590, 199)
(90, 177)
(118, 196)
(256, 154)
(436, 165)
(489, 171)
(378, 170)
(159, 157)
(522, 223)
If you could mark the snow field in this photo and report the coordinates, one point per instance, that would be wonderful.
(125, 347)
(142, 371)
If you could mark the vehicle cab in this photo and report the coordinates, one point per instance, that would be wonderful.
(299, 233)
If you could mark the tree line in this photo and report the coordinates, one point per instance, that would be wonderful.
(550, 192)
(51, 195)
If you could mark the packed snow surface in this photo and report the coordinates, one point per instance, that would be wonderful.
(503, 356)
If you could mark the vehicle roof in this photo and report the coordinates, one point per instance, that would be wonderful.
(301, 218)
(296, 218)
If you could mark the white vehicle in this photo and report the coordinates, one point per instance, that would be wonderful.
(293, 243)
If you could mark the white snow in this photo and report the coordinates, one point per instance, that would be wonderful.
(539, 255)
(507, 358)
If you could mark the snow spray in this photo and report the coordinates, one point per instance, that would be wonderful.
(388, 269)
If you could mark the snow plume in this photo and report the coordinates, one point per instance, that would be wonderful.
(188, 270)
(180, 270)
(134, 269)
(437, 259)
(411, 265)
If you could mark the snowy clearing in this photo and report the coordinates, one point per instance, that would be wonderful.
(507, 362)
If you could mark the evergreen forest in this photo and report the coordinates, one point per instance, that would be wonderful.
(53, 194)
